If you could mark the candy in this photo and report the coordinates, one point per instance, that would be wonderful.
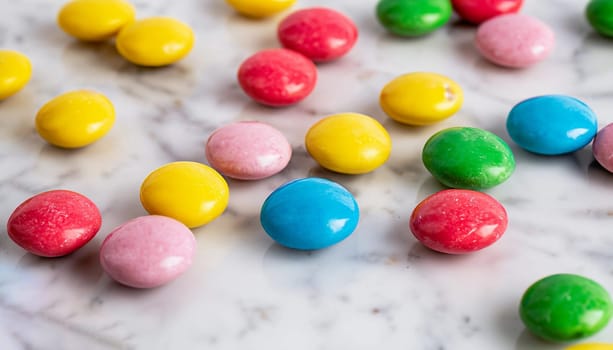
(309, 214)
(155, 41)
(413, 17)
(54, 223)
(190, 192)
(591, 346)
(603, 147)
(421, 98)
(95, 20)
(477, 11)
(248, 150)
(148, 251)
(15, 72)
(349, 143)
(552, 124)
(320, 34)
(277, 77)
(75, 119)
(260, 8)
(565, 307)
(458, 221)
(599, 14)
(514, 40)
(469, 158)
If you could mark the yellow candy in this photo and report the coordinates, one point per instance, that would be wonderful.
(349, 143)
(421, 98)
(155, 41)
(95, 20)
(190, 192)
(75, 119)
(260, 8)
(15, 72)
(591, 346)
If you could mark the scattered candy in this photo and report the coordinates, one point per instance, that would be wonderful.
(95, 20)
(603, 147)
(514, 40)
(477, 11)
(413, 17)
(421, 98)
(458, 221)
(349, 143)
(155, 41)
(600, 15)
(469, 158)
(15, 72)
(248, 150)
(565, 307)
(260, 8)
(309, 214)
(277, 77)
(190, 192)
(75, 119)
(320, 34)
(552, 124)
(148, 251)
(591, 346)
(54, 223)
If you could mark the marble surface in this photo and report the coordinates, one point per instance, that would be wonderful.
(379, 288)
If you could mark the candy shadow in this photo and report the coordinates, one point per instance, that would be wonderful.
(598, 175)
(527, 341)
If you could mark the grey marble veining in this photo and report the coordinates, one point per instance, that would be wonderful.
(377, 289)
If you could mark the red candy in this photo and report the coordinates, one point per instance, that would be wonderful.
(458, 221)
(54, 223)
(320, 34)
(478, 11)
(277, 77)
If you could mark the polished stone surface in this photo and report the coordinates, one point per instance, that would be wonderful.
(379, 288)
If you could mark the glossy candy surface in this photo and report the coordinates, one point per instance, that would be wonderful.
(15, 72)
(552, 124)
(95, 20)
(348, 143)
(54, 223)
(75, 119)
(458, 221)
(190, 192)
(477, 11)
(321, 34)
(248, 150)
(514, 40)
(421, 98)
(469, 158)
(277, 77)
(309, 214)
(260, 8)
(155, 41)
(591, 346)
(599, 14)
(603, 147)
(565, 307)
(413, 17)
(148, 251)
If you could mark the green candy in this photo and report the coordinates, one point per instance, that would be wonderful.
(413, 17)
(468, 158)
(600, 15)
(565, 307)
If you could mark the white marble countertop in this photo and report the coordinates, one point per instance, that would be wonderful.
(377, 289)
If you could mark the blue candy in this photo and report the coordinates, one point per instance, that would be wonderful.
(552, 124)
(309, 213)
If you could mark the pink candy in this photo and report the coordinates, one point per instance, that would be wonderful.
(148, 251)
(514, 40)
(603, 147)
(248, 150)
